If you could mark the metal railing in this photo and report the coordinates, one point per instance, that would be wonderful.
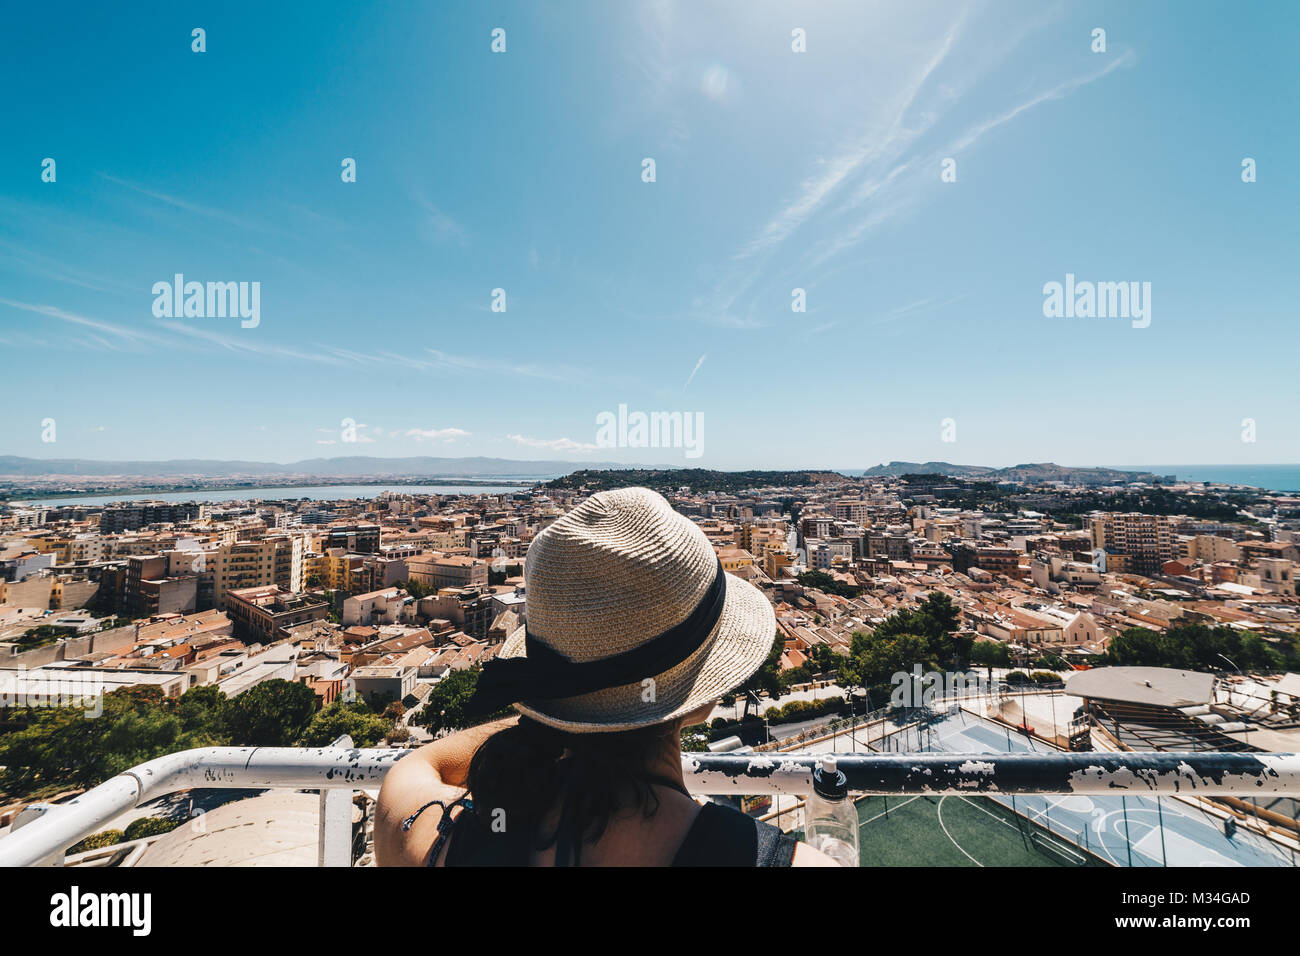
(43, 832)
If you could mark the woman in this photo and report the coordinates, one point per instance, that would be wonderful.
(633, 631)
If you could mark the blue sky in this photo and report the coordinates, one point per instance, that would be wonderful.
(775, 170)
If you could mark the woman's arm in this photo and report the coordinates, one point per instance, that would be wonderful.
(436, 771)
(450, 756)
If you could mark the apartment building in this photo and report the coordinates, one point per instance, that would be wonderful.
(377, 572)
(443, 571)
(816, 526)
(757, 539)
(386, 606)
(1209, 548)
(1049, 570)
(20, 564)
(150, 590)
(259, 614)
(1277, 576)
(133, 517)
(998, 560)
(775, 561)
(1260, 550)
(895, 547)
(859, 512)
(275, 560)
(733, 559)
(357, 538)
(470, 609)
(378, 683)
(1146, 540)
(822, 555)
(75, 549)
(493, 544)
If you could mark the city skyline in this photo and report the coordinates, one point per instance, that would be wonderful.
(925, 337)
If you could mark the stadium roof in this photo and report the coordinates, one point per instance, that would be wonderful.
(1153, 686)
(1289, 684)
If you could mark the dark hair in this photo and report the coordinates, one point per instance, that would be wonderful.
(530, 768)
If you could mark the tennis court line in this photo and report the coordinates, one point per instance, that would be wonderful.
(939, 813)
(880, 815)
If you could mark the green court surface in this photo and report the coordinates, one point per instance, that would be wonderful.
(953, 831)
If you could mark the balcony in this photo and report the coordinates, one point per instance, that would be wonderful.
(41, 833)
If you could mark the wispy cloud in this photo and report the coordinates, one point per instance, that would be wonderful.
(879, 139)
(256, 345)
(552, 444)
(174, 333)
(690, 378)
(434, 434)
(110, 337)
(922, 169)
(186, 205)
(931, 303)
(437, 226)
(46, 267)
(880, 174)
(833, 172)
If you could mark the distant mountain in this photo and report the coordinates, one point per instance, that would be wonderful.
(12, 466)
(896, 468)
(358, 466)
(1029, 473)
(697, 479)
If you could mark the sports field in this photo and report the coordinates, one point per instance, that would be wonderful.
(1126, 829)
(951, 831)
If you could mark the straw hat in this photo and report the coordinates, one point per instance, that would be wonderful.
(611, 577)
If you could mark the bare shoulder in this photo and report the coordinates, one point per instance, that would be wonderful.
(805, 855)
(409, 785)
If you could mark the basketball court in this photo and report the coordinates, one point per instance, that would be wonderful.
(1126, 829)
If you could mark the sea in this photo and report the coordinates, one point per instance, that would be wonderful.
(1268, 477)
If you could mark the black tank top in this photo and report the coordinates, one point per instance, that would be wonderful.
(720, 836)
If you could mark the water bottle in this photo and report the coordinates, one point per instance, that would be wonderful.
(830, 817)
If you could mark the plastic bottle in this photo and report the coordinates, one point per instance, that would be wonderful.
(830, 817)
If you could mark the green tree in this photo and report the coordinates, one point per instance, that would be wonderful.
(355, 719)
(824, 582)
(202, 714)
(938, 615)
(695, 739)
(766, 678)
(446, 707)
(65, 746)
(990, 654)
(414, 588)
(274, 713)
(892, 655)
(150, 826)
(96, 841)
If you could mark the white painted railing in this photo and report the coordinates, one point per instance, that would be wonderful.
(43, 832)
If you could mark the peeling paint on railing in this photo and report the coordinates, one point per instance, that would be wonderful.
(1206, 774)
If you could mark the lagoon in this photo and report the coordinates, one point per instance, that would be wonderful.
(315, 492)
